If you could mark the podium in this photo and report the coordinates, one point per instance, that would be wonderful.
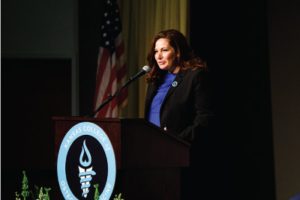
(148, 159)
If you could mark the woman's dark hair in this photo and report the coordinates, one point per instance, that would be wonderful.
(186, 60)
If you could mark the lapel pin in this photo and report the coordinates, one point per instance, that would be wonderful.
(174, 84)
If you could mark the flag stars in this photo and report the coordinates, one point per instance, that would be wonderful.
(110, 26)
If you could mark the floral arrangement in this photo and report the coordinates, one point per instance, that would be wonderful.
(38, 195)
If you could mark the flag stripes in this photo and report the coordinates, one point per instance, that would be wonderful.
(111, 71)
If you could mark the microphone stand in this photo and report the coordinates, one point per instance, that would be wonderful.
(111, 97)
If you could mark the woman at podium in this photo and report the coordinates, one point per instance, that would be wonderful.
(177, 98)
(178, 101)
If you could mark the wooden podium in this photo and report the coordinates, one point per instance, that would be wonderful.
(148, 159)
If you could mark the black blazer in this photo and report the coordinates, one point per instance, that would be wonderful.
(186, 107)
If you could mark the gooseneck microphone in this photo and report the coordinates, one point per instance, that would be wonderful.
(145, 70)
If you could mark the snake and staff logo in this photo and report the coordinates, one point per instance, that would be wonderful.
(85, 174)
(85, 159)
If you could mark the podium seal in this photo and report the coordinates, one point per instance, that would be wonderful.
(86, 158)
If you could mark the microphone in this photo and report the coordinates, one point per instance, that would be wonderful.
(146, 69)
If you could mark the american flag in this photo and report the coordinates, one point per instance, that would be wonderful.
(111, 72)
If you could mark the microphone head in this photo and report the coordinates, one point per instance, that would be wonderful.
(147, 69)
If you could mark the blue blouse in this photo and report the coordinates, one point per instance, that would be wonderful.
(159, 98)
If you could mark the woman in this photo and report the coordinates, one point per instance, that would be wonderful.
(177, 96)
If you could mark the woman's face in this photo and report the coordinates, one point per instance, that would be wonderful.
(165, 55)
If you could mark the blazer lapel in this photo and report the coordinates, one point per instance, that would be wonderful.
(175, 84)
(151, 92)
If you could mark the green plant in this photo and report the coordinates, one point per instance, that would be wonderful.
(36, 195)
(97, 194)
(96, 197)
(47, 197)
(25, 193)
(118, 197)
(17, 195)
(41, 195)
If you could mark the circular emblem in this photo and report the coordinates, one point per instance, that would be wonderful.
(174, 84)
(86, 163)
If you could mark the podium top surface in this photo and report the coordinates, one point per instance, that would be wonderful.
(67, 118)
(119, 120)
